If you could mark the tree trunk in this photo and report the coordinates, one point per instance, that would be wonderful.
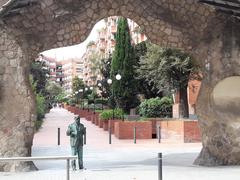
(183, 104)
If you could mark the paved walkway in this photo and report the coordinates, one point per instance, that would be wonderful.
(122, 160)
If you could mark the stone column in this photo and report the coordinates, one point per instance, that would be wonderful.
(220, 120)
(16, 104)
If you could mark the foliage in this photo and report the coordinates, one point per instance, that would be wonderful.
(123, 62)
(101, 101)
(77, 84)
(91, 43)
(108, 114)
(38, 80)
(54, 91)
(169, 69)
(39, 75)
(105, 71)
(156, 107)
(145, 88)
(95, 64)
(41, 107)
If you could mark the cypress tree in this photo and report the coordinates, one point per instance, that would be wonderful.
(123, 62)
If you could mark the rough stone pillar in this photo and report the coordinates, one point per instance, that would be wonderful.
(16, 104)
(219, 121)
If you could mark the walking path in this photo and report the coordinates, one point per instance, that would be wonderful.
(122, 160)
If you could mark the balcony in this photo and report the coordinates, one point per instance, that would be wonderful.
(102, 35)
(113, 29)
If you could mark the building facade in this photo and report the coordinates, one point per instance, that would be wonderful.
(54, 67)
(71, 68)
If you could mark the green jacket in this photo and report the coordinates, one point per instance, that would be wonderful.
(76, 134)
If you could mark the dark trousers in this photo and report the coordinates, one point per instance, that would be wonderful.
(79, 152)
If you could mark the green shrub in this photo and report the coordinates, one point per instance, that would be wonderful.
(41, 107)
(38, 124)
(101, 101)
(108, 114)
(41, 110)
(156, 107)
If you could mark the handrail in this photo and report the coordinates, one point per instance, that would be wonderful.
(7, 159)
(68, 158)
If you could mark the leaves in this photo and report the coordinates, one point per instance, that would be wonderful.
(123, 62)
(156, 107)
(167, 68)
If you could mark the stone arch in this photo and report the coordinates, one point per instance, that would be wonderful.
(211, 37)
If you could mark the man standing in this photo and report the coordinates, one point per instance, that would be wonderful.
(76, 131)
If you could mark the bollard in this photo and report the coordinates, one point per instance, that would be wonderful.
(110, 135)
(68, 167)
(134, 135)
(85, 137)
(58, 136)
(159, 134)
(159, 166)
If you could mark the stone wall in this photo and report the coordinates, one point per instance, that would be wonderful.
(16, 120)
(211, 37)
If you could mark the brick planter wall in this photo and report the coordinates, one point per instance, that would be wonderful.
(191, 132)
(124, 130)
(105, 125)
(112, 124)
(180, 131)
(100, 123)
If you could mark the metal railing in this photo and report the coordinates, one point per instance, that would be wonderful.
(27, 159)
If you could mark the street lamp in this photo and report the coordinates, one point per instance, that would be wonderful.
(109, 81)
(80, 91)
(86, 89)
(118, 77)
(91, 88)
(100, 85)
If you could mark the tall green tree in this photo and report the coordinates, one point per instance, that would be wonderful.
(39, 73)
(54, 90)
(144, 88)
(78, 84)
(169, 69)
(106, 74)
(123, 62)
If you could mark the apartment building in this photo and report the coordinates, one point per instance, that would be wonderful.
(91, 59)
(71, 68)
(54, 68)
(104, 46)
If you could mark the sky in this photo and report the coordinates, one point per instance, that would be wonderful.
(75, 51)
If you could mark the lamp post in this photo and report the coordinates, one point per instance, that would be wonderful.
(91, 88)
(80, 91)
(109, 81)
(86, 89)
(100, 85)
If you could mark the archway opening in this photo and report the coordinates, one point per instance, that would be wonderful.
(65, 65)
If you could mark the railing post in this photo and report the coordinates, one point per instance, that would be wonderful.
(159, 166)
(58, 136)
(134, 135)
(85, 136)
(68, 167)
(110, 133)
(159, 134)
